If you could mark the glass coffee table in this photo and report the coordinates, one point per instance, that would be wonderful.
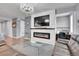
(39, 49)
(34, 49)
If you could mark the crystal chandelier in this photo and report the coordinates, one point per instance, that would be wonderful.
(26, 8)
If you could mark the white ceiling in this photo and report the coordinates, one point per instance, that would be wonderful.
(13, 9)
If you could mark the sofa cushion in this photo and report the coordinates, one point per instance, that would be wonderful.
(71, 42)
(77, 38)
(61, 45)
(75, 49)
(74, 45)
(65, 41)
(61, 50)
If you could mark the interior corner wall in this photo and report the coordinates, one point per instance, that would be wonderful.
(63, 24)
(9, 28)
(77, 18)
(70, 9)
(65, 9)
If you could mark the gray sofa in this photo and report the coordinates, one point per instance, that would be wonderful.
(74, 45)
(67, 49)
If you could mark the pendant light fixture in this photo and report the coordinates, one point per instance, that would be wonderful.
(26, 8)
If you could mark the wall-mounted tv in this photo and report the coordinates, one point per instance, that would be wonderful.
(42, 21)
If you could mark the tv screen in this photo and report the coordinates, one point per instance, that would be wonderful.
(41, 21)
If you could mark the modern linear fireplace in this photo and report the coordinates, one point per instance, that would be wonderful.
(41, 35)
(43, 27)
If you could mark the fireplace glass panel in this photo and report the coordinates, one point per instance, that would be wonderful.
(41, 35)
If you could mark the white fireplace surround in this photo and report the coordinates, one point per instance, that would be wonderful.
(51, 20)
(43, 40)
(45, 29)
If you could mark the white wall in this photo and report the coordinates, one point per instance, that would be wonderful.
(3, 27)
(20, 28)
(63, 23)
(65, 9)
(73, 10)
(0, 27)
(9, 28)
(77, 18)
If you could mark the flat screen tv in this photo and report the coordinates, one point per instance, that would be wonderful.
(41, 21)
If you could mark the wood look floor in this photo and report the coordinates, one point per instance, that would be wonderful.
(7, 51)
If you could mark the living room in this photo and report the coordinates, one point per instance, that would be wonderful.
(39, 29)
